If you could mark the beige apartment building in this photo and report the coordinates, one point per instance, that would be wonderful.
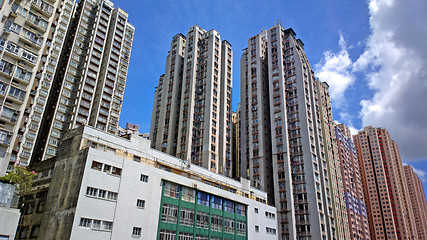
(389, 208)
(77, 73)
(32, 35)
(192, 105)
(235, 156)
(418, 201)
(333, 175)
(352, 183)
(282, 151)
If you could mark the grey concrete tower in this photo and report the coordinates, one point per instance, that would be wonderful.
(282, 149)
(64, 64)
(192, 106)
(32, 36)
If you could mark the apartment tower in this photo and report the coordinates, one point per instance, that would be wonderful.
(235, 147)
(32, 35)
(418, 201)
(282, 151)
(352, 181)
(91, 77)
(78, 75)
(390, 213)
(192, 105)
(333, 174)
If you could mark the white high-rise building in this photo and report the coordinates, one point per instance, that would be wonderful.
(282, 149)
(32, 36)
(65, 64)
(192, 105)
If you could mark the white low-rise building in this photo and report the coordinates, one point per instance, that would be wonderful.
(108, 187)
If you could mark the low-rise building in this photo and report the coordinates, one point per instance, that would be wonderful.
(108, 187)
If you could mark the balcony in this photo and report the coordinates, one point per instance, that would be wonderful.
(44, 7)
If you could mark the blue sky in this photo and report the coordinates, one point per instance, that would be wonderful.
(372, 54)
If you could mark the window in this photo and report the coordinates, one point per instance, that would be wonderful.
(240, 209)
(256, 210)
(201, 237)
(216, 202)
(216, 223)
(270, 230)
(112, 196)
(256, 228)
(203, 198)
(17, 93)
(169, 213)
(107, 225)
(100, 193)
(241, 228)
(136, 232)
(96, 224)
(91, 191)
(188, 194)
(167, 235)
(229, 225)
(202, 220)
(85, 222)
(140, 203)
(187, 217)
(171, 190)
(228, 205)
(270, 215)
(185, 236)
(144, 178)
(96, 165)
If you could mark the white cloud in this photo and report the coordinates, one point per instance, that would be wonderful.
(335, 69)
(421, 174)
(394, 63)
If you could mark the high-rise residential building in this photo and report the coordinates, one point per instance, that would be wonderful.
(352, 181)
(79, 57)
(32, 35)
(333, 175)
(418, 201)
(282, 151)
(192, 105)
(91, 77)
(390, 214)
(235, 146)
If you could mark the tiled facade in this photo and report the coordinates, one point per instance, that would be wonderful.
(384, 183)
(418, 201)
(192, 105)
(352, 183)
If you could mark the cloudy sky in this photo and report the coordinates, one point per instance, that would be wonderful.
(372, 53)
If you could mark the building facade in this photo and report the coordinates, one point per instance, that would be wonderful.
(192, 104)
(390, 214)
(235, 147)
(352, 181)
(418, 200)
(333, 175)
(30, 48)
(282, 151)
(104, 186)
(78, 57)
